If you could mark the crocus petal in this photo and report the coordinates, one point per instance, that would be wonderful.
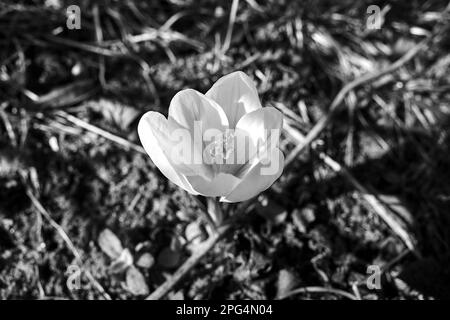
(256, 180)
(188, 107)
(151, 129)
(263, 126)
(236, 94)
(222, 184)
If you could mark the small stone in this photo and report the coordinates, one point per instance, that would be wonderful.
(110, 244)
(182, 215)
(145, 261)
(193, 233)
(135, 282)
(308, 215)
(286, 282)
(53, 143)
(169, 258)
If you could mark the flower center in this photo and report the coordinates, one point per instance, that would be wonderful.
(221, 149)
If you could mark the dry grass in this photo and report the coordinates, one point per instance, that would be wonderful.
(372, 187)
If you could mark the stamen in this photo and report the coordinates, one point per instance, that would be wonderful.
(221, 148)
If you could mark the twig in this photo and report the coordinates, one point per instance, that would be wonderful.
(99, 38)
(221, 231)
(84, 46)
(67, 240)
(233, 12)
(145, 68)
(161, 291)
(365, 79)
(339, 292)
(8, 126)
(105, 134)
(371, 199)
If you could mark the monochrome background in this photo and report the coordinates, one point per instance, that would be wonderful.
(360, 212)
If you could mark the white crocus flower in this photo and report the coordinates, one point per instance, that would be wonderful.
(220, 144)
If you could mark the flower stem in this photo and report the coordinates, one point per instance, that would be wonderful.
(215, 211)
(205, 247)
(190, 263)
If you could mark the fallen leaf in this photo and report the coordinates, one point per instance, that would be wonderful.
(110, 244)
(135, 282)
(285, 283)
(67, 95)
(116, 113)
(124, 261)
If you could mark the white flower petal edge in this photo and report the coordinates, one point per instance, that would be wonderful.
(236, 94)
(262, 126)
(221, 185)
(254, 182)
(150, 122)
(189, 106)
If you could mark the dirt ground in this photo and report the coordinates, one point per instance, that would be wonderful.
(61, 175)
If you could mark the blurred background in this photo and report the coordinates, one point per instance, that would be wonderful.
(85, 215)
